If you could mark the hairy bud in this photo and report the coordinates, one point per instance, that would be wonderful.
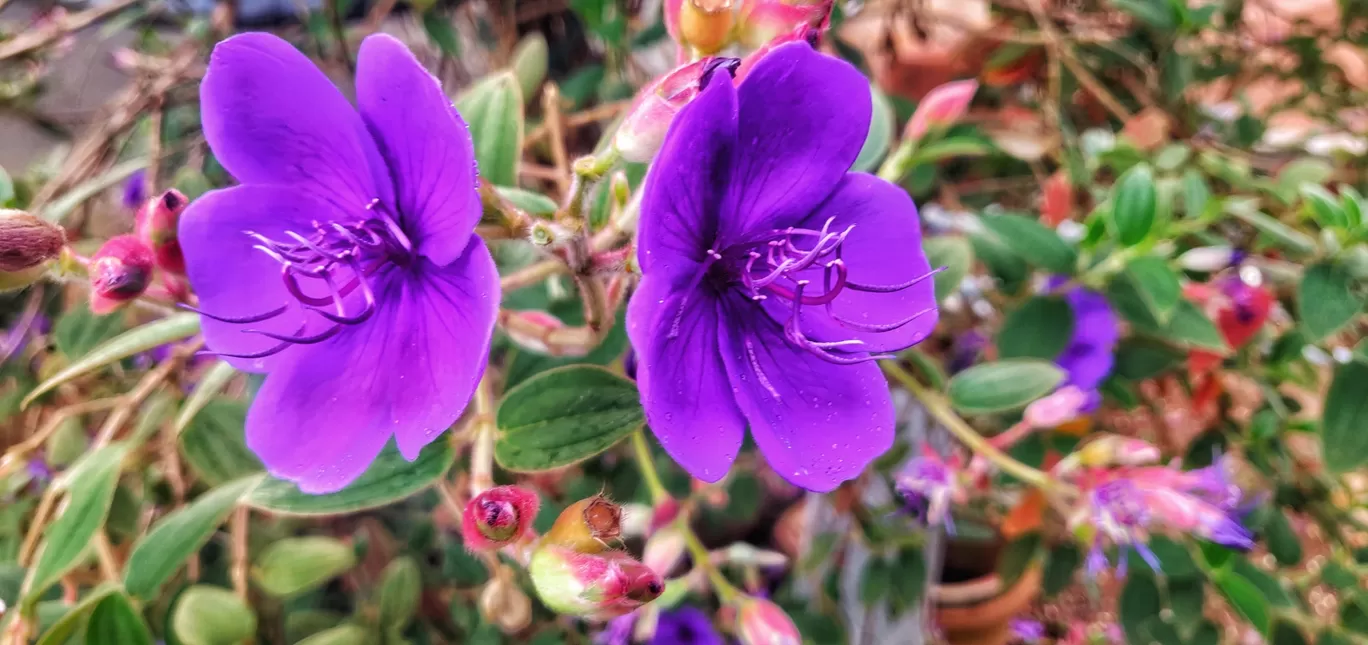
(598, 586)
(119, 272)
(499, 517)
(761, 622)
(587, 526)
(26, 243)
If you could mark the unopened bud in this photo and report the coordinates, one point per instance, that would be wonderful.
(764, 20)
(941, 108)
(26, 243)
(157, 224)
(543, 233)
(761, 622)
(504, 604)
(706, 25)
(664, 550)
(1057, 408)
(655, 106)
(587, 526)
(1113, 450)
(1208, 259)
(532, 329)
(119, 272)
(498, 517)
(598, 586)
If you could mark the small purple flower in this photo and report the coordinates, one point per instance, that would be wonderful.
(1027, 630)
(1088, 357)
(618, 631)
(135, 190)
(928, 486)
(345, 265)
(1118, 512)
(685, 626)
(773, 278)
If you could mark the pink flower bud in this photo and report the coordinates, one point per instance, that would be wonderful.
(499, 517)
(643, 130)
(941, 108)
(119, 272)
(156, 227)
(1056, 409)
(598, 586)
(761, 622)
(763, 21)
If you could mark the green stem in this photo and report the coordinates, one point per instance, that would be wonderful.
(643, 456)
(899, 162)
(940, 409)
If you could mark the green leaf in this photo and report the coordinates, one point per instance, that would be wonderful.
(1284, 236)
(1034, 242)
(154, 334)
(89, 485)
(955, 254)
(909, 579)
(1001, 260)
(1187, 599)
(564, 416)
(348, 634)
(400, 588)
(493, 108)
(442, 33)
(1134, 203)
(1139, 602)
(158, 555)
(1155, 13)
(390, 478)
(293, 566)
(528, 201)
(1196, 194)
(1285, 633)
(73, 198)
(1060, 568)
(1040, 328)
(880, 134)
(64, 629)
(955, 146)
(1282, 541)
(530, 61)
(208, 387)
(1344, 442)
(875, 581)
(1187, 326)
(1139, 359)
(116, 621)
(1006, 385)
(78, 331)
(1017, 556)
(213, 443)
(1157, 285)
(1324, 207)
(1326, 300)
(206, 615)
(1245, 598)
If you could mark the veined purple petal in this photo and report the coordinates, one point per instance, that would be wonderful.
(687, 184)
(683, 381)
(817, 424)
(327, 410)
(883, 249)
(271, 117)
(425, 143)
(803, 117)
(235, 280)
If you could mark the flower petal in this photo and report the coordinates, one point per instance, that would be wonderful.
(271, 117)
(683, 382)
(803, 120)
(687, 183)
(1088, 356)
(425, 143)
(883, 249)
(235, 280)
(817, 424)
(325, 413)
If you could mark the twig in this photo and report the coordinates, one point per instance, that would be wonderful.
(551, 108)
(339, 29)
(17, 452)
(378, 14)
(154, 148)
(579, 120)
(482, 455)
(108, 561)
(36, 523)
(238, 532)
(532, 274)
(149, 384)
(36, 39)
(537, 171)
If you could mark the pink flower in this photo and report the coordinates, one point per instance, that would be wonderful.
(1056, 409)
(941, 108)
(761, 622)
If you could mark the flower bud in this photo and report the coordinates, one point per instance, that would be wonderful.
(504, 604)
(1057, 408)
(706, 25)
(598, 586)
(119, 272)
(157, 223)
(1111, 450)
(655, 106)
(764, 20)
(761, 622)
(498, 517)
(941, 108)
(26, 243)
(664, 550)
(587, 525)
(1208, 259)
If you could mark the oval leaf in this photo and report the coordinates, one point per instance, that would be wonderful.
(1134, 202)
(493, 108)
(295, 565)
(563, 416)
(1157, 285)
(206, 615)
(62, 631)
(1245, 598)
(158, 555)
(1326, 300)
(214, 446)
(116, 621)
(1344, 443)
(90, 485)
(1002, 386)
(153, 334)
(390, 478)
(1034, 242)
(209, 385)
(1040, 328)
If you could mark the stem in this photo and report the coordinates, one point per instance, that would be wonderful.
(899, 162)
(940, 409)
(482, 455)
(647, 465)
(726, 592)
(238, 531)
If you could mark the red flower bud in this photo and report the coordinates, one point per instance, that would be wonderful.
(594, 585)
(499, 517)
(761, 622)
(156, 225)
(119, 272)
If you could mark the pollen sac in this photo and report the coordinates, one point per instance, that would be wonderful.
(156, 227)
(587, 526)
(119, 272)
(26, 243)
(761, 622)
(499, 517)
(597, 586)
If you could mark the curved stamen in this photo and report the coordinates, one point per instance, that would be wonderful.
(261, 354)
(244, 320)
(874, 288)
(793, 331)
(296, 339)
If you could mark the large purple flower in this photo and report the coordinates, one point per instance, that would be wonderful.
(1088, 357)
(345, 264)
(773, 277)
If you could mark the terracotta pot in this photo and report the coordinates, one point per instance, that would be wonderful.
(979, 611)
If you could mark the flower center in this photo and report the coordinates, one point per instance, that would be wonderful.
(320, 269)
(784, 263)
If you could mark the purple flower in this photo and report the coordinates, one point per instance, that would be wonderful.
(928, 486)
(772, 277)
(344, 266)
(1118, 512)
(618, 631)
(1089, 356)
(135, 190)
(1027, 630)
(685, 626)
